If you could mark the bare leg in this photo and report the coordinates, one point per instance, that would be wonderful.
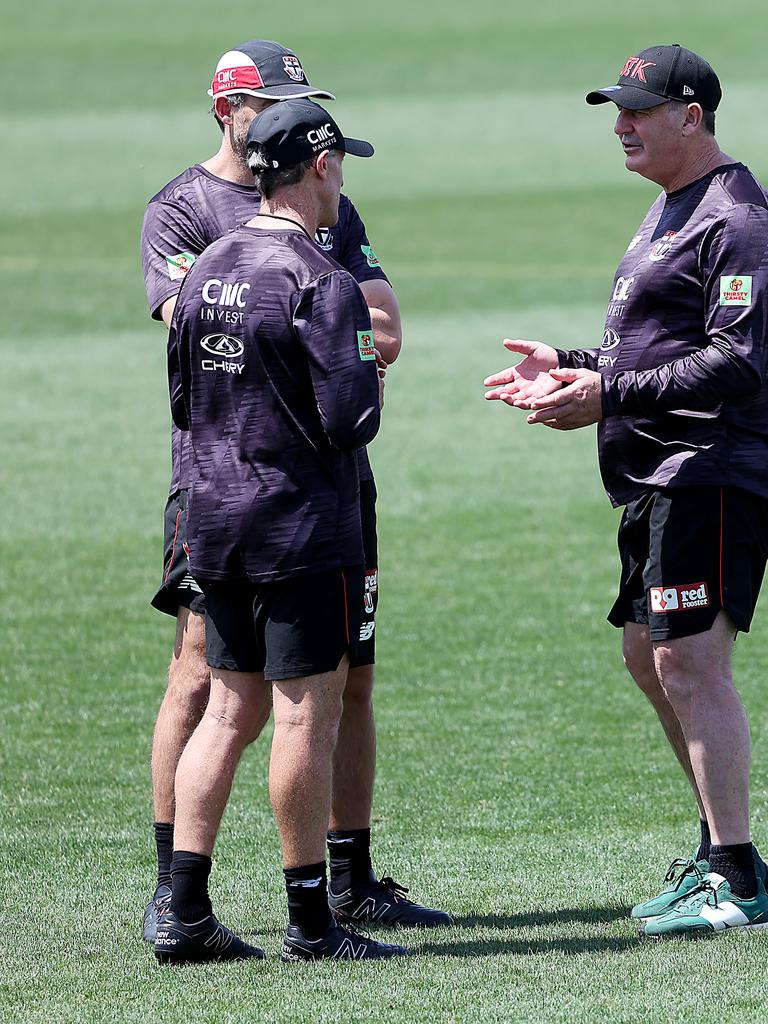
(695, 672)
(181, 709)
(238, 709)
(307, 715)
(354, 763)
(639, 659)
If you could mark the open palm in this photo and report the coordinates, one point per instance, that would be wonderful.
(528, 379)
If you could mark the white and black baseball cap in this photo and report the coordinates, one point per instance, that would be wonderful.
(295, 130)
(264, 69)
(660, 74)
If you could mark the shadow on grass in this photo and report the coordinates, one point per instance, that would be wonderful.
(534, 918)
(522, 947)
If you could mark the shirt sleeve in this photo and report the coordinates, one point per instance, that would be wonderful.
(170, 243)
(731, 367)
(356, 253)
(178, 377)
(577, 358)
(334, 327)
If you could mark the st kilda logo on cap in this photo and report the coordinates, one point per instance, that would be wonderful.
(293, 68)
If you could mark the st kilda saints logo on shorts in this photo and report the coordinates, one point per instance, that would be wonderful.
(660, 249)
(227, 350)
(293, 68)
(679, 599)
(324, 238)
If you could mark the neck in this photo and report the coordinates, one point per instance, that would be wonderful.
(292, 208)
(702, 163)
(228, 164)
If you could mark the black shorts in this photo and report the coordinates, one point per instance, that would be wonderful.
(365, 653)
(688, 552)
(178, 589)
(300, 626)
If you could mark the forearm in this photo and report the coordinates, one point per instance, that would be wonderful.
(384, 310)
(387, 333)
(699, 381)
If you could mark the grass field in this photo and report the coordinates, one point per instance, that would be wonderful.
(523, 782)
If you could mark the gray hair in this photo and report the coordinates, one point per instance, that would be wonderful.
(707, 117)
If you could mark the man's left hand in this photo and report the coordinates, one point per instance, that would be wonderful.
(577, 404)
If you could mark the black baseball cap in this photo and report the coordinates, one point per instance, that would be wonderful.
(293, 131)
(265, 69)
(659, 74)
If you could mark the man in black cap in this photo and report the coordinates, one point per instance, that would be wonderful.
(193, 210)
(678, 388)
(276, 405)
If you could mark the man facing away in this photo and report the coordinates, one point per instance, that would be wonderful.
(678, 388)
(275, 407)
(186, 216)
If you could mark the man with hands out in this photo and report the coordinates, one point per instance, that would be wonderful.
(678, 390)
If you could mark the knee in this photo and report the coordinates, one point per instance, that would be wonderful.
(638, 660)
(681, 674)
(318, 729)
(189, 680)
(256, 720)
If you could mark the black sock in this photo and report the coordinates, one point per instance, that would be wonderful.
(189, 893)
(737, 865)
(307, 888)
(164, 844)
(350, 853)
(706, 843)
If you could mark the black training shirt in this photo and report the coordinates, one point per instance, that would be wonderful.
(685, 346)
(276, 401)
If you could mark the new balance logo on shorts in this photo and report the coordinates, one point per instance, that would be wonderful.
(679, 599)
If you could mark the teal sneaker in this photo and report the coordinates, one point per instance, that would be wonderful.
(683, 876)
(710, 907)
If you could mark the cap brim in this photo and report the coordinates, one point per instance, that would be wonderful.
(278, 92)
(356, 147)
(626, 96)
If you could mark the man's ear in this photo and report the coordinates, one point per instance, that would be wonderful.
(223, 109)
(693, 118)
(320, 163)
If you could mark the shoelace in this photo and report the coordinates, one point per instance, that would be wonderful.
(705, 889)
(688, 867)
(398, 891)
(346, 926)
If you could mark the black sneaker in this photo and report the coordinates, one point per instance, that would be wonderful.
(383, 901)
(155, 909)
(338, 943)
(179, 943)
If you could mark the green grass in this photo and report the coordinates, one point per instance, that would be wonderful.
(523, 782)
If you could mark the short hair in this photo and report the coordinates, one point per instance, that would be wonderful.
(236, 99)
(271, 179)
(707, 117)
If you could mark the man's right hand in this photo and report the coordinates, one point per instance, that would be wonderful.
(529, 379)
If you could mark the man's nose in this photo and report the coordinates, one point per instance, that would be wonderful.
(623, 124)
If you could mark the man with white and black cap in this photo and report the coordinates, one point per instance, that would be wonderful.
(678, 388)
(193, 210)
(275, 410)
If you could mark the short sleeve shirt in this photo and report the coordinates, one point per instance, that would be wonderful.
(197, 208)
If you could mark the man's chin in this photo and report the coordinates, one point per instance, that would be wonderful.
(634, 161)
